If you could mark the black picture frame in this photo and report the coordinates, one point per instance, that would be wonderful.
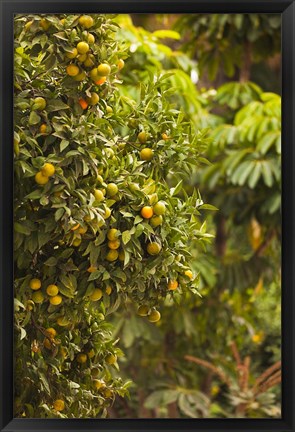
(287, 10)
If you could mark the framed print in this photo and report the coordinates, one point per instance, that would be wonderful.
(147, 234)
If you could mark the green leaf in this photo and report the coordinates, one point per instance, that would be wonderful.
(51, 262)
(126, 237)
(56, 105)
(18, 227)
(58, 214)
(161, 398)
(174, 191)
(253, 179)
(34, 118)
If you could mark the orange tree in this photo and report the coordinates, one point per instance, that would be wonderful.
(96, 222)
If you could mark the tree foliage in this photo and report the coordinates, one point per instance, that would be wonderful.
(87, 183)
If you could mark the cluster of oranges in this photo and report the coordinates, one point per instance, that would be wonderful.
(83, 63)
(42, 176)
(52, 291)
(146, 154)
(152, 314)
(154, 214)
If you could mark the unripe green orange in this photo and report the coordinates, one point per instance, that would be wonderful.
(98, 194)
(159, 208)
(38, 297)
(156, 221)
(96, 295)
(146, 154)
(154, 248)
(103, 69)
(112, 189)
(154, 316)
(143, 310)
(142, 137)
(112, 255)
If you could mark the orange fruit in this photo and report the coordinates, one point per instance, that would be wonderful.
(72, 54)
(59, 405)
(154, 316)
(81, 358)
(82, 48)
(37, 297)
(121, 64)
(96, 295)
(41, 179)
(103, 69)
(121, 256)
(109, 290)
(99, 196)
(112, 189)
(55, 300)
(146, 154)
(51, 332)
(43, 128)
(115, 244)
(35, 284)
(91, 354)
(82, 230)
(159, 208)
(165, 136)
(142, 137)
(86, 21)
(113, 234)
(47, 344)
(93, 100)
(90, 38)
(154, 248)
(112, 255)
(189, 274)
(83, 104)
(143, 310)
(48, 170)
(107, 213)
(39, 104)
(72, 70)
(101, 80)
(156, 221)
(77, 241)
(172, 285)
(52, 290)
(147, 212)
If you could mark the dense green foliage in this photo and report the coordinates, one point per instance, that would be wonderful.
(86, 186)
